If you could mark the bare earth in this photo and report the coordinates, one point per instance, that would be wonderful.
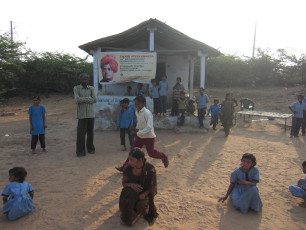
(83, 193)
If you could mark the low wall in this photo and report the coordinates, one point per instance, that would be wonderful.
(107, 110)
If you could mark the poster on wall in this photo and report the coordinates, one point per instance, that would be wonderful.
(120, 67)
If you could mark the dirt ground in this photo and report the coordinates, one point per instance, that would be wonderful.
(83, 193)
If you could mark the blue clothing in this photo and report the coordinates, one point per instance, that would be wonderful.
(37, 119)
(202, 101)
(153, 90)
(299, 108)
(19, 203)
(138, 92)
(128, 93)
(245, 197)
(125, 118)
(163, 88)
(298, 191)
(214, 110)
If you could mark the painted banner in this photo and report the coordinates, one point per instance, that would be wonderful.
(119, 67)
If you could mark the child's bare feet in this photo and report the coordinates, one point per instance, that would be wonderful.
(33, 151)
(123, 148)
(45, 150)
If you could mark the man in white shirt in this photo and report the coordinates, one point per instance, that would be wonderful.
(145, 132)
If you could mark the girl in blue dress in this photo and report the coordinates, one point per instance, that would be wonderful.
(37, 118)
(17, 195)
(243, 190)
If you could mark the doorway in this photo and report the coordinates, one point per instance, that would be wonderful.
(160, 71)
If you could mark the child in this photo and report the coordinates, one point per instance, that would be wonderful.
(139, 90)
(214, 110)
(16, 202)
(177, 89)
(153, 90)
(243, 190)
(128, 91)
(163, 92)
(144, 133)
(299, 190)
(202, 101)
(297, 108)
(181, 103)
(227, 111)
(125, 123)
(190, 107)
(304, 118)
(37, 118)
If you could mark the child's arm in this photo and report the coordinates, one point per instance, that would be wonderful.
(44, 120)
(136, 187)
(5, 198)
(30, 120)
(31, 195)
(229, 191)
(292, 110)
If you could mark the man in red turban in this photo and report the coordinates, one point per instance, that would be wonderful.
(109, 66)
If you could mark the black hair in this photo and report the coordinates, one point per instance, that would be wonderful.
(140, 98)
(36, 98)
(84, 75)
(138, 154)
(249, 156)
(216, 100)
(179, 78)
(304, 164)
(153, 80)
(19, 172)
(226, 95)
(140, 84)
(182, 92)
(300, 96)
(129, 87)
(165, 76)
(125, 101)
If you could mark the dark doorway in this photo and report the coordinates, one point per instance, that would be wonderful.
(160, 71)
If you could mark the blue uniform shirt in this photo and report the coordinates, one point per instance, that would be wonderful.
(154, 91)
(299, 108)
(125, 118)
(214, 110)
(202, 101)
(163, 88)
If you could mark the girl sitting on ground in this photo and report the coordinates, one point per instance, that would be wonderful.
(139, 189)
(243, 190)
(299, 190)
(17, 195)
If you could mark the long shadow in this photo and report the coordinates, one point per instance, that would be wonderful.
(231, 218)
(212, 150)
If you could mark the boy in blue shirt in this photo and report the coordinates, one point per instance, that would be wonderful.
(125, 123)
(214, 110)
(128, 91)
(163, 92)
(298, 109)
(139, 90)
(153, 90)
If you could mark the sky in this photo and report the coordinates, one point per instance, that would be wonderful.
(61, 26)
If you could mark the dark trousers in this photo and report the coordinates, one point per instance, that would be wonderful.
(296, 125)
(163, 103)
(214, 121)
(34, 141)
(201, 116)
(156, 103)
(85, 126)
(122, 136)
(174, 110)
(149, 143)
(181, 117)
(303, 125)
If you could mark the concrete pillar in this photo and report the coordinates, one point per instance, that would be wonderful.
(191, 74)
(151, 38)
(202, 75)
(95, 69)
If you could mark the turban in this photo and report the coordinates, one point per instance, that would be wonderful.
(111, 60)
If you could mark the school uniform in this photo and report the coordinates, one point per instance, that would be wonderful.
(297, 118)
(125, 122)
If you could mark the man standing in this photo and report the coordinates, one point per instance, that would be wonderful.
(202, 101)
(85, 97)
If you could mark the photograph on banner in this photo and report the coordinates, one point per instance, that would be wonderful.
(119, 67)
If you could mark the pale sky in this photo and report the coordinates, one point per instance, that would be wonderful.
(225, 25)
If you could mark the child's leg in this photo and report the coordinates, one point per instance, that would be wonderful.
(122, 136)
(131, 137)
(293, 126)
(201, 116)
(149, 143)
(182, 117)
(42, 141)
(298, 126)
(158, 105)
(34, 140)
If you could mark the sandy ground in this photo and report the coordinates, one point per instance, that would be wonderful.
(83, 193)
